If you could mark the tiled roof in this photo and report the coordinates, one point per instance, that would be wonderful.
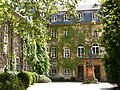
(82, 7)
(88, 7)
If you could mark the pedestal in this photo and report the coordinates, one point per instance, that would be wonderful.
(90, 75)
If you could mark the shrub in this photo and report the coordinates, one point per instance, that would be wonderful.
(10, 81)
(28, 78)
(24, 78)
(44, 79)
(73, 79)
(36, 76)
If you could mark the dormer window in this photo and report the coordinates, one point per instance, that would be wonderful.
(95, 5)
(80, 15)
(66, 17)
(53, 18)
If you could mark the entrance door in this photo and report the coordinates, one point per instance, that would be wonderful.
(97, 72)
(80, 73)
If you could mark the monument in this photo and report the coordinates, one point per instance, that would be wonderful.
(90, 70)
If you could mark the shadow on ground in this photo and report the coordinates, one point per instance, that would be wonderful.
(116, 88)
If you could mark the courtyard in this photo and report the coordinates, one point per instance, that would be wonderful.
(71, 86)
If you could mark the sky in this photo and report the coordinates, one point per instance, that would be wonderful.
(88, 2)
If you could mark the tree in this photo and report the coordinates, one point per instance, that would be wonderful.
(29, 19)
(110, 17)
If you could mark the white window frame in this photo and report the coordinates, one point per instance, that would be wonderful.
(66, 17)
(80, 15)
(95, 34)
(53, 70)
(66, 71)
(66, 52)
(96, 48)
(94, 15)
(54, 33)
(54, 18)
(80, 52)
(53, 52)
(66, 32)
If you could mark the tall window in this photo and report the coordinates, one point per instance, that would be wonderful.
(54, 33)
(66, 71)
(53, 18)
(95, 48)
(66, 17)
(95, 34)
(80, 15)
(53, 52)
(53, 71)
(94, 16)
(66, 52)
(80, 51)
(66, 32)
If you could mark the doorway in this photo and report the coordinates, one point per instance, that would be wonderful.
(97, 72)
(80, 73)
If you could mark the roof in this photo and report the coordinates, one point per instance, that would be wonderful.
(88, 7)
(82, 7)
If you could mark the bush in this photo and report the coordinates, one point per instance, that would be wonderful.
(43, 79)
(36, 76)
(28, 78)
(73, 79)
(10, 81)
(25, 78)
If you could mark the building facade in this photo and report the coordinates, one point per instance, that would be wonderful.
(71, 40)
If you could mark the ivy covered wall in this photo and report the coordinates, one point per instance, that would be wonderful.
(72, 36)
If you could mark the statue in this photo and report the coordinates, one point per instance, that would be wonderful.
(90, 54)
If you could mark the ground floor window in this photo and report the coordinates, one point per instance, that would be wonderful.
(53, 71)
(66, 71)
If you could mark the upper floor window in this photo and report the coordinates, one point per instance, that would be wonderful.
(66, 52)
(94, 16)
(54, 33)
(66, 17)
(95, 34)
(80, 51)
(66, 32)
(53, 71)
(80, 15)
(53, 52)
(95, 48)
(53, 18)
(66, 71)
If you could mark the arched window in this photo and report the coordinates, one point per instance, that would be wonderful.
(80, 51)
(95, 48)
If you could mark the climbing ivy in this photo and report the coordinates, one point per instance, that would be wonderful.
(28, 19)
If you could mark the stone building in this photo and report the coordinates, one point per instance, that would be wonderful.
(71, 40)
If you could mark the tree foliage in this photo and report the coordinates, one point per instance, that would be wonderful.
(29, 19)
(110, 17)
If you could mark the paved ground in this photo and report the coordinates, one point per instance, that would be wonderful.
(70, 86)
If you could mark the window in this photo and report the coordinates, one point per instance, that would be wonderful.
(53, 18)
(94, 16)
(54, 33)
(66, 52)
(80, 51)
(80, 15)
(53, 52)
(95, 34)
(66, 17)
(95, 48)
(66, 71)
(66, 32)
(53, 71)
